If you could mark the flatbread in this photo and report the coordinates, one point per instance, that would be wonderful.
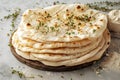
(39, 45)
(60, 50)
(64, 32)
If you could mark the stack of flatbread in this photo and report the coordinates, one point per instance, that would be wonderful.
(61, 35)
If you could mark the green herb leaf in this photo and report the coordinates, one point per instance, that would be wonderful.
(13, 16)
(10, 44)
(52, 28)
(40, 76)
(94, 30)
(19, 73)
(40, 25)
(14, 71)
(62, 76)
(106, 5)
(73, 32)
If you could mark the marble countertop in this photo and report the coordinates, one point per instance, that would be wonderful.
(12, 69)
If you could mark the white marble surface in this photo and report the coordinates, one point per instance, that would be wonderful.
(7, 60)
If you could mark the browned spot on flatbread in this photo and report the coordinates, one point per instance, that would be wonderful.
(78, 7)
(108, 43)
(28, 24)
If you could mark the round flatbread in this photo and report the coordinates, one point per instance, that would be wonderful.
(60, 37)
(71, 22)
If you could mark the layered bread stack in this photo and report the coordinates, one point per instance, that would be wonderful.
(61, 37)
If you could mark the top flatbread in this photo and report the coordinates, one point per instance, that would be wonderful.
(62, 23)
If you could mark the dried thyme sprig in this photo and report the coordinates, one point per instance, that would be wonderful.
(13, 16)
(104, 6)
(21, 75)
